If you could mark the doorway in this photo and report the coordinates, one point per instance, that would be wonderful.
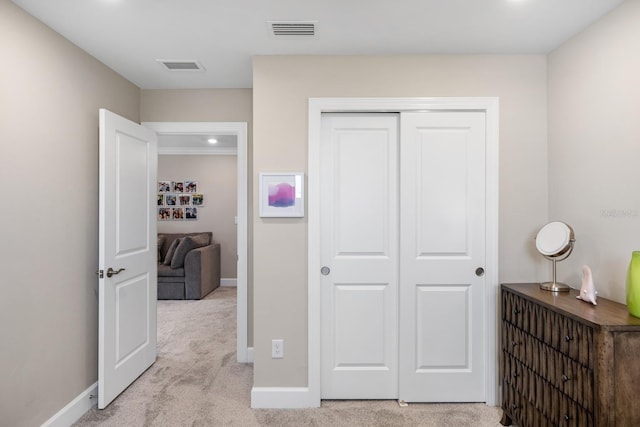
(239, 131)
(485, 295)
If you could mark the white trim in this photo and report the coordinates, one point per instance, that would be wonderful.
(240, 130)
(231, 283)
(198, 151)
(281, 397)
(74, 409)
(317, 106)
(249, 354)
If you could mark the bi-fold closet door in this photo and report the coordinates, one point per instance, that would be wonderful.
(402, 221)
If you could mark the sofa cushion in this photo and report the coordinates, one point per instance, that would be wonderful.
(187, 244)
(167, 271)
(169, 256)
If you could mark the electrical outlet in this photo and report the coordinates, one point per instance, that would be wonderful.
(277, 349)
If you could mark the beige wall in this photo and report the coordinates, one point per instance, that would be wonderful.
(209, 105)
(196, 105)
(50, 93)
(594, 147)
(282, 86)
(217, 178)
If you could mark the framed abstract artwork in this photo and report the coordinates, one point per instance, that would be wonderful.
(282, 195)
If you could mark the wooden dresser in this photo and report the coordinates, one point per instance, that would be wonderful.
(565, 362)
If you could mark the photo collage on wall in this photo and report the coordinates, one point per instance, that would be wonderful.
(179, 200)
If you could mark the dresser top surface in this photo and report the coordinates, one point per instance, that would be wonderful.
(607, 313)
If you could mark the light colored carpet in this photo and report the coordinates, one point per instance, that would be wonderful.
(197, 382)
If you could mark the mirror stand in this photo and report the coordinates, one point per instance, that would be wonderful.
(554, 286)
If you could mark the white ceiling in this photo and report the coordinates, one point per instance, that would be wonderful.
(222, 35)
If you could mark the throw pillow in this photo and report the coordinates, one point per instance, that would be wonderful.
(187, 244)
(172, 248)
(161, 240)
(202, 239)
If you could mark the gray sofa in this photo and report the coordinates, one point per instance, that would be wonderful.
(193, 268)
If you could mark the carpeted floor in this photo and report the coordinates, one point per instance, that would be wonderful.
(197, 382)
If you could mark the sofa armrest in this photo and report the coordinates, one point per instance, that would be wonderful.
(202, 271)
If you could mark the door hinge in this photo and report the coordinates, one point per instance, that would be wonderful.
(100, 274)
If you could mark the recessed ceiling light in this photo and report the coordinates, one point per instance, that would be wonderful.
(212, 141)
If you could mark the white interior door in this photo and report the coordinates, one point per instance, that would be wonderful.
(127, 297)
(402, 230)
(442, 244)
(359, 239)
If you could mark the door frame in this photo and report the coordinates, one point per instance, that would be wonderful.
(239, 129)
(317, 106)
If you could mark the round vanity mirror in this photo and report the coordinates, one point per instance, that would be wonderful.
(555, 242)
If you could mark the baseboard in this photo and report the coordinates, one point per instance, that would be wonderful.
(282, 397)
(249, 354)
(229, 282)
(74, 410)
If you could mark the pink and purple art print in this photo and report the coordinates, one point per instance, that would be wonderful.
(281, 195)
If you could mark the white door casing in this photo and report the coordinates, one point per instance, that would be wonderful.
(310, 396)
(127, 236)
(239, 129)
(442, 205)
(359, 240)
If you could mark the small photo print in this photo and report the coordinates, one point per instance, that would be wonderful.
(191, 213)
(178, 187)
(164, 186)
(190, 186)
(177, 214)
(164, 214)
(160, 199)
(184, 199)
(170, 199)
(197, 199)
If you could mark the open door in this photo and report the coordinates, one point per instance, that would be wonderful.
(127, 254)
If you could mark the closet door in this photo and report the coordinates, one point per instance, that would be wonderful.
(402, 237)
(359, 239)
(442, 235)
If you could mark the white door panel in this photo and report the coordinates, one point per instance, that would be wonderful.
(127, 300)
(442, 243)
(439, 348)
(359, 245)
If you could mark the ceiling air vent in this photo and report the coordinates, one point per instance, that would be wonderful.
(292, 29)
(177, 65)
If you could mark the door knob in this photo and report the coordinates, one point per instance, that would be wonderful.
(325, 271)
(112, 272)
(479, 271)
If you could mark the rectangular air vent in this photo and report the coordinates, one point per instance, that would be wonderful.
(178, 65)
(292, 29)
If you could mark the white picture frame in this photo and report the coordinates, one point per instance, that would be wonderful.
(282, 195)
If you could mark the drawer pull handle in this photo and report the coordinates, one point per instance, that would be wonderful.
(567, 417)
(514, 407)
(568, 338)
(516, 311)
(565, 378)
(515, 374)
(513, 343)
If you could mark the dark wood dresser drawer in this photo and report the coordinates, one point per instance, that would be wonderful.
(559, 332)
(565, 362)
(562, 372)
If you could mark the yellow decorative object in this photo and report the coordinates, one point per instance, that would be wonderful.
(633, 285)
